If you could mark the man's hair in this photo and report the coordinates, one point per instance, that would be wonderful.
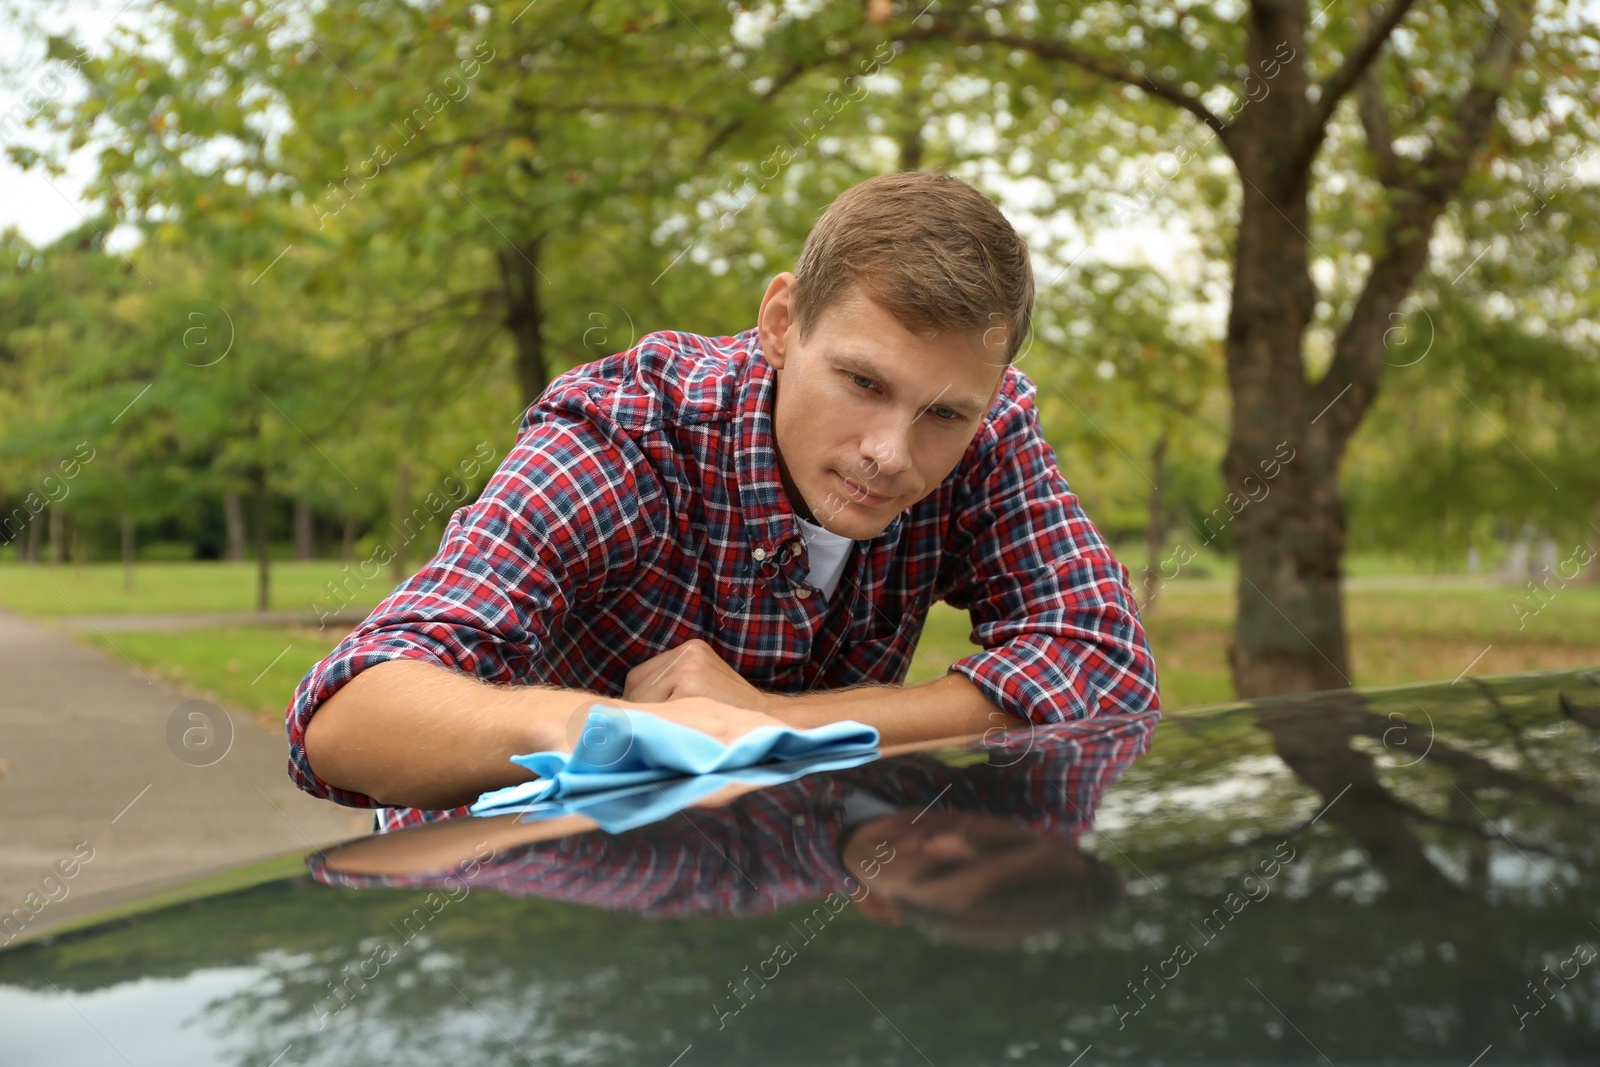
(928, 247)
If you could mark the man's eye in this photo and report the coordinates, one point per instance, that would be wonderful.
(863, 382)
(946, 415)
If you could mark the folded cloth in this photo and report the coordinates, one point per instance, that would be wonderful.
(630, 807)
(619, 771)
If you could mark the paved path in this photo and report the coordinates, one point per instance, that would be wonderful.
(85, 757)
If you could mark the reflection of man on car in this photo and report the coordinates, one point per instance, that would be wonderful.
(976, 843)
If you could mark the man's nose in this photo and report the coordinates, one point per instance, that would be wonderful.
(887, 450)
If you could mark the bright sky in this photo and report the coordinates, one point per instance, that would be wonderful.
(43, 208)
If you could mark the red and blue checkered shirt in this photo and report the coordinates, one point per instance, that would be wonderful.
(642, 507)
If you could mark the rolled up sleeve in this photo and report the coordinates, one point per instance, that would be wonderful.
(1050, 606)
(571, 506)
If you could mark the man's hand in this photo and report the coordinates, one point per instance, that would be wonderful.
(725, 722)
(951, 706)
(693, 669)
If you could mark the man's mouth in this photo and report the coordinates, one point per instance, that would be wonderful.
(859, 493)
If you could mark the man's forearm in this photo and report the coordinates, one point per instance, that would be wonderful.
(414, 734)
(951, 706)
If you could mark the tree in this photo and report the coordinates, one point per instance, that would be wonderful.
(1134, 380)
(1301, 75)
(508, 158)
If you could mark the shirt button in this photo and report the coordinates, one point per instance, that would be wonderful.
(802, 592)
(760, 553)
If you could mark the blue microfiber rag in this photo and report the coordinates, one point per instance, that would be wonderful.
(630, 768)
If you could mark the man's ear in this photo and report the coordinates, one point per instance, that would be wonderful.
(877, 906)
(776, 318)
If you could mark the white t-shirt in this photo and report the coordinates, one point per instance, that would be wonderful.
(826, 555)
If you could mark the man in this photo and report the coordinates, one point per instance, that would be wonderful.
(734, 531)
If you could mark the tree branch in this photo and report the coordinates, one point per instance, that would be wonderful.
(1355, 64)
(1375, 124)
(1360, 349)
(1340, 82)
(1448, 161)
(729, 128)
(592, 107)
(1106, 68)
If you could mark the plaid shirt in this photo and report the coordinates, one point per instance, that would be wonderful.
(780, 845)
(642, 507)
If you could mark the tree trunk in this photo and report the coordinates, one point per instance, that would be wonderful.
(347, 539)
(911, 143)
(58, 535)
(401, 508)
(519, 279)
(233, 516)
(305, 531)
(34, 535)
(127, 550)
(1591, 570)
(1290, 631)
(1290, 635)
(258, 484)
(1155, 529)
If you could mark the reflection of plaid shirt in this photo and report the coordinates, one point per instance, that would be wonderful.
(780, 845)
(642, 507)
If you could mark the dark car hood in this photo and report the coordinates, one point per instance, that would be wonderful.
(1386, 876)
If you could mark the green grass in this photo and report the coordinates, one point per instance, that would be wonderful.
(1207, 562)
(1406, 632)
(253, 669)
(944, 640)
(1400, 631)
(1403, 628)
(166, 588)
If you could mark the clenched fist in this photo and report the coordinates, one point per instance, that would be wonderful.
(693, 669)
(722, 721)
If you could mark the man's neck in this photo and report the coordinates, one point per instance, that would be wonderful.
(796, 500)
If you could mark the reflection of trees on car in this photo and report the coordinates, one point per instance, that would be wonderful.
(1446, 847)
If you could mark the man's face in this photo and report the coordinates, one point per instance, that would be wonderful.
(869, 416)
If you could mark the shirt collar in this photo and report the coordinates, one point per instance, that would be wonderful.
(769, 519)
(768, 515)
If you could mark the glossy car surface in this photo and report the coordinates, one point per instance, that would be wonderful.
(1395, 876)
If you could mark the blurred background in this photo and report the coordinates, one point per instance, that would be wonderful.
(1315, 338)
